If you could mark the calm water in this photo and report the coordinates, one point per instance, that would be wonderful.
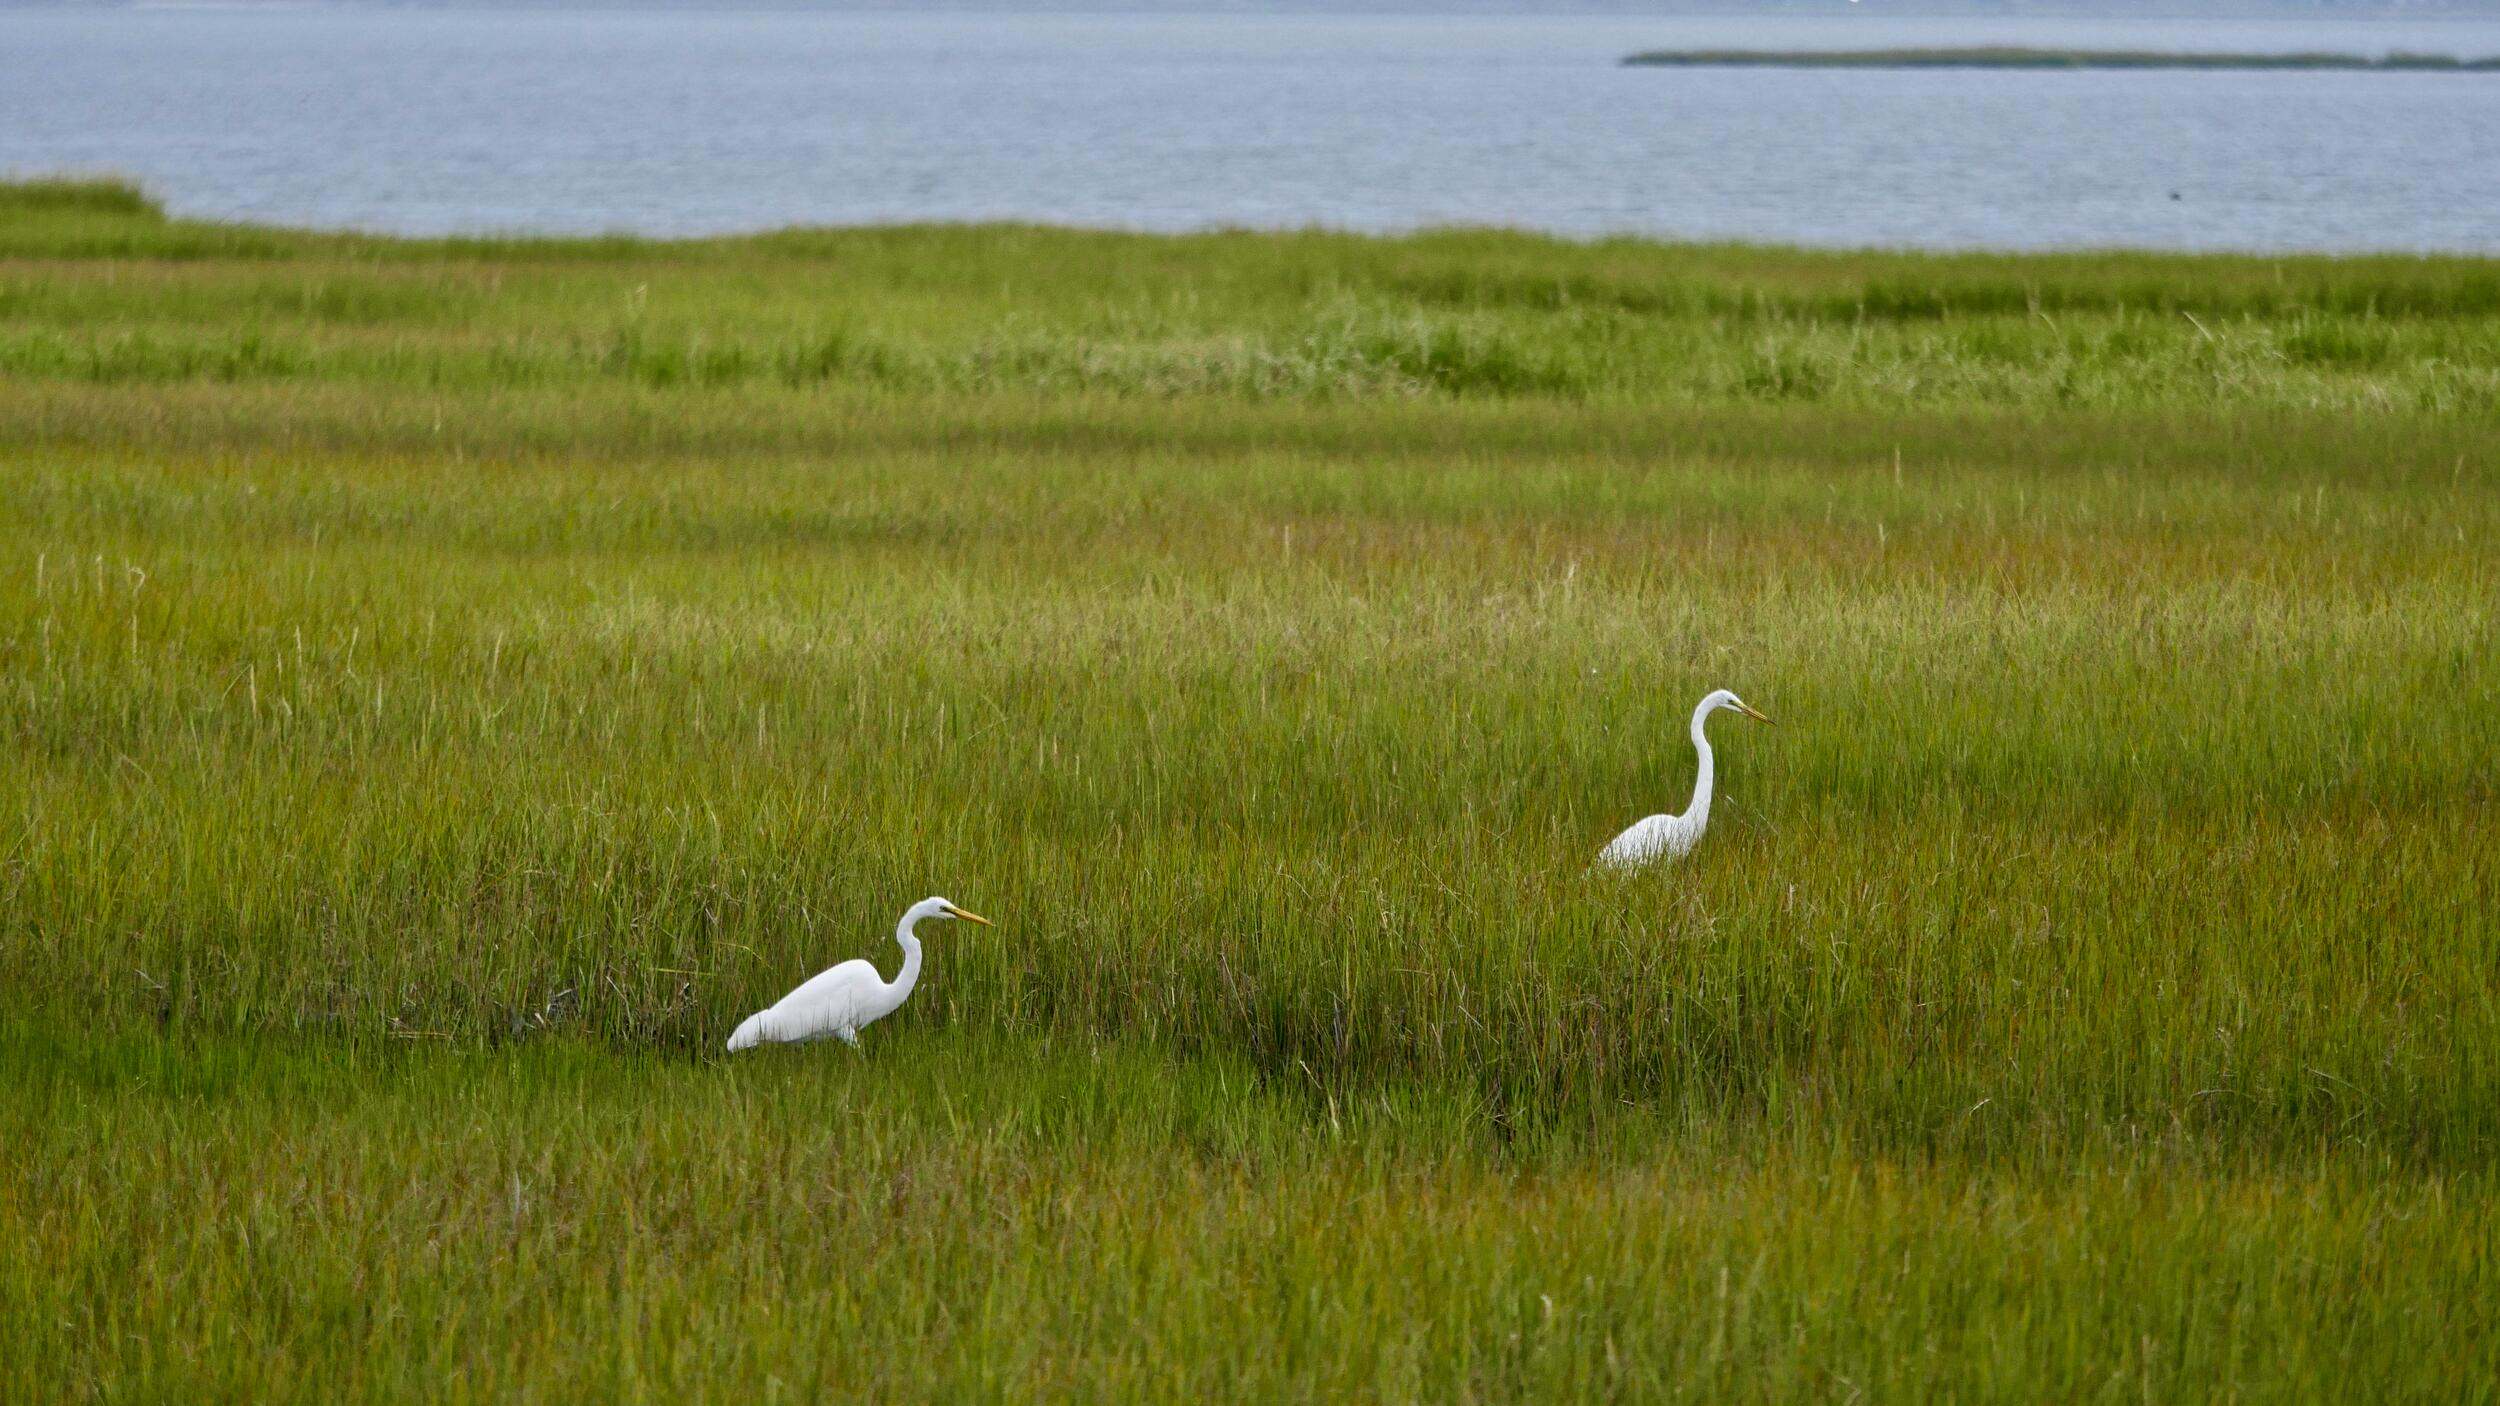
(685, 123)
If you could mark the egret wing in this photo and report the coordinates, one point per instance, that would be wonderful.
(1642, 842)
(831, 1002)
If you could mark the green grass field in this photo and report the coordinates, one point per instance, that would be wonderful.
(446, 685)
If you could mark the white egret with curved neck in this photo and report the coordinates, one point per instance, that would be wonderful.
(843, 999)
(1668, 836)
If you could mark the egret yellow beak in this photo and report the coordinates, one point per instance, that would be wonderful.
(1749, 712)
(968, 915)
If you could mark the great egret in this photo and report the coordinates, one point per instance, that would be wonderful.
(840, 1000)
(1667, 836)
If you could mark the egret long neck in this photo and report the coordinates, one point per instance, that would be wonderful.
(909, 976)
(1699, 810)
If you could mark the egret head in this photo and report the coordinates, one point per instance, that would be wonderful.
(1724, 699)
(942, 908)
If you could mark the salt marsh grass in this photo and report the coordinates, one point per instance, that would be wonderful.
(446, 684)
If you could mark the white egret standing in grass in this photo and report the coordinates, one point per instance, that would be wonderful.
(838, 1001)
(1667, 836)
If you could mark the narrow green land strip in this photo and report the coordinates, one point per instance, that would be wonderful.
(2030, 58)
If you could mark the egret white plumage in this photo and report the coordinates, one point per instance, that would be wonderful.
(1668, 836)
(842, 999)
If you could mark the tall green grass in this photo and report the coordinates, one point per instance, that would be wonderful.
(285, 1224)
(447, 684)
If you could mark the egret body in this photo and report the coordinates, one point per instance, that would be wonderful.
(1667, 836)
(841, 1000)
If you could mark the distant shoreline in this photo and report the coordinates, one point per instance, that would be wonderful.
(2026, 58)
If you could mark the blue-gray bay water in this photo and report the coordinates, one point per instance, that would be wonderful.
(682, 123)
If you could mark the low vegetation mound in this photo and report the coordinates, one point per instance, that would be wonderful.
(2002, 56)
